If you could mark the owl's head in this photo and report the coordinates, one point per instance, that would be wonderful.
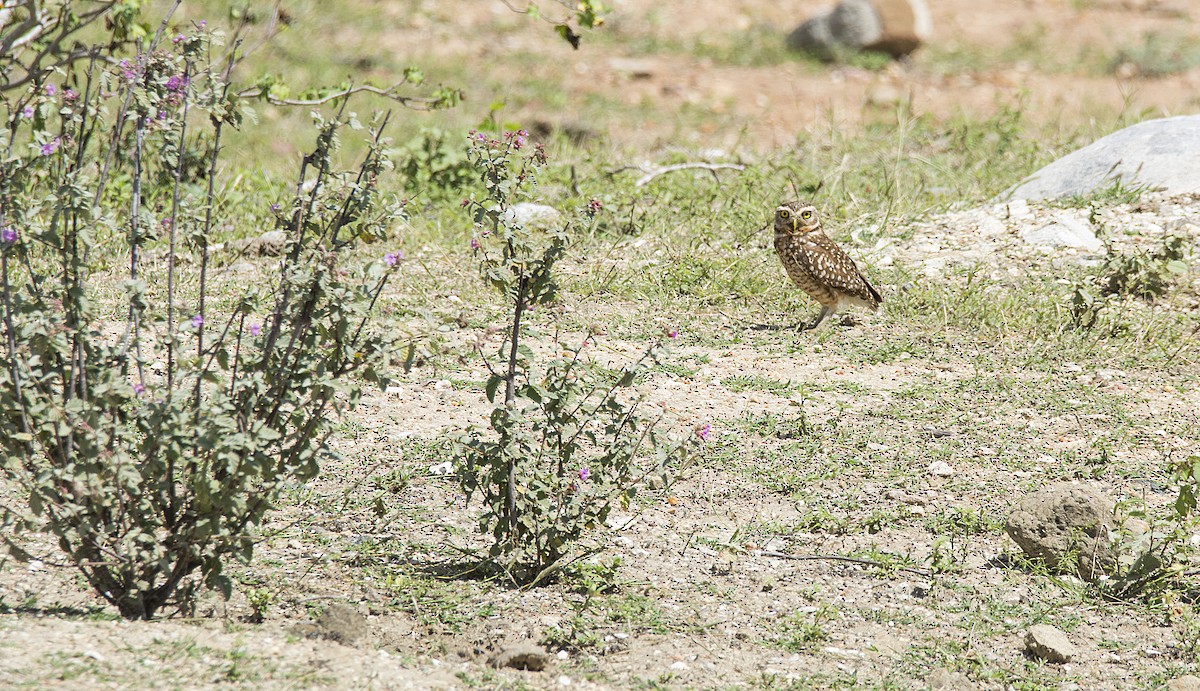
(796, 218)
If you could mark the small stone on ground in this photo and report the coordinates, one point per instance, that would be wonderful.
(1047, 643)
(521, 656)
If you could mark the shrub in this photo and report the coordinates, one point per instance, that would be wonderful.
(565, 442)
(151, 431)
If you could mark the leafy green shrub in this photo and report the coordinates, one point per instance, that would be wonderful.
(151, 431)
(565, 442)
(1140, 274)
(434, 163)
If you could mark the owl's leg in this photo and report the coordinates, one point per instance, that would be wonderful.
(821, 316)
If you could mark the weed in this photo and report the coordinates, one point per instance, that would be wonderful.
(802, 630)
(565, 442)
(1138, 274)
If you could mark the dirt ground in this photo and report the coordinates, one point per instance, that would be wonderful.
(700, 604)
(1051, 57)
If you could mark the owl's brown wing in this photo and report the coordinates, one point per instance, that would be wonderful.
(829, 264)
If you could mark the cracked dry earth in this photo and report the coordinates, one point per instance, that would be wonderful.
(822, 445)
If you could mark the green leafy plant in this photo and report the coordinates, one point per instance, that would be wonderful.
(565, 442)
(1142, 274)
(151, 432)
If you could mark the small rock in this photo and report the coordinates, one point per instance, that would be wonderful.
(637, 68)
(521, 656)
(1065, 231)
(1068, 526)
(531, 215)
(270, 244)
(1048, 643)
(940, 469)
(341, 623)
(943, 679)
(1187, 682)
(884, 96)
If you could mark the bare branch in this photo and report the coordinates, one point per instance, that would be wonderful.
(838, 557)
(642, 181)
(414, 102)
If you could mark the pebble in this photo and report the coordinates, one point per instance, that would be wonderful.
(940, 469)
(1048, 643)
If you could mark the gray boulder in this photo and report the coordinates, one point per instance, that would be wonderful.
(897, 27)
(1068, 527)
(1158, 154)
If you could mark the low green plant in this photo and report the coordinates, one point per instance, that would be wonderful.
(1142, 274)
(260, 600)
(801, 631)
(565, 443)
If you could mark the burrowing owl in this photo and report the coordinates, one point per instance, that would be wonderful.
(817, 265)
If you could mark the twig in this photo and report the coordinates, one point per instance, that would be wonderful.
(838, 557)
(414, 102)
(714, 167)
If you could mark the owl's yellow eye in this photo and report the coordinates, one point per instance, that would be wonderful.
(785, 214)
(806, 215)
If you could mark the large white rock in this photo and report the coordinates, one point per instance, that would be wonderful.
(1161, 154)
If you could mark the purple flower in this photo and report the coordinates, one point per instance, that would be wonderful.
(51, 89)
(128, 74)
(392, 258)
(275, 207)
(51, 146)
(704, 431)
(197, 321)
(584, 473)
(594, 206)
(28, 111)
(255, 329)
(474, 243)
(673, 334)
(176, 83)
(138, 389)
(179, 39)
(8, 236)
(69, 94)
(202, 23)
